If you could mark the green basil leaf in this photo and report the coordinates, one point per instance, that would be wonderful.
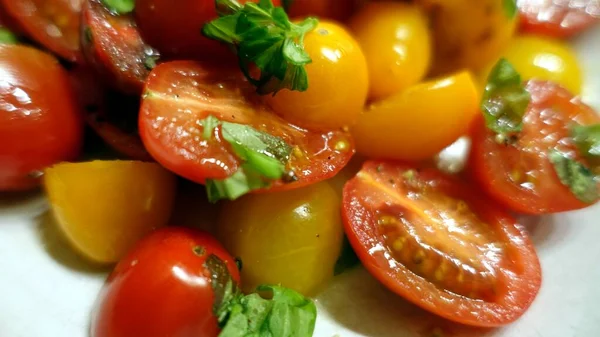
(120, 6)
(587, 139)
(510, 8)
(264, 36)
(243, 181)
(7, 37)
(257, 141)
(209, 124)
(580, 180)
(505, 99)
(347, 260)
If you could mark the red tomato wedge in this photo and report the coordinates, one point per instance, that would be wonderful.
(113, 45)
(52, 23)
(558, 18)
(180, 94)
(520, 176)
(440, 244)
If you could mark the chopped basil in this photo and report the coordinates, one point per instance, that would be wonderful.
(510, 8)
(120, 6)
(580, 180)
(505, 100)
(263, 157)
(7, 37)
(587, 139)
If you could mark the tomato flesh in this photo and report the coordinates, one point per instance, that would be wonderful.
(112, 43)
(558, 18)
(53, 23)
(163, 287)
(520, 176)
(180, 94)
(438, 243)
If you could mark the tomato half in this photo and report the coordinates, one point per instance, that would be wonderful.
(52, 23)
(440, 244)
(558, 18)
(166, 286)
(520, 175)
(180, 94)
(113, 45)
(40, 122)
(174, 27)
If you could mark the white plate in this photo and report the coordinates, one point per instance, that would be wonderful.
(47, 291)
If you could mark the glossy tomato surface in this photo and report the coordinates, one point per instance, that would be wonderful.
(520, 175)
(558, 18)
(440, 244)
(338, 10)
(52, 23)
(173, 27)
(180, 94)
(164, 287)
(113, 45)
(40, 121)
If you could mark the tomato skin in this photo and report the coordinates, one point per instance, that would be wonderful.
(113, 45)
(174, 27)
(40, 122)
(338, 10)
(40, 17)
(517, 277)
(162, 288)
(396, 41)
(181, 93)
(419, 122)
(338, 81)
(520, 176)
(557, 18)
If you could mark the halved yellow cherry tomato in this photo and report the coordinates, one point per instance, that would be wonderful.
(468, 34)
(291, 238)
(396, 41)
(419, 122)
(104, 207)
(542, 58)
(337, 81)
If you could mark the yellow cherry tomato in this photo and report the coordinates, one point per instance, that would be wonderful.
(291, 238)
(337, 81)
(545, 59)
(468, 34)
(396, 41)
(419, 122)
(105, 207)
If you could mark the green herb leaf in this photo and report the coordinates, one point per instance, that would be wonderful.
(287, 4)
(587, 139)
(288, 314)
(120, 6)
(505, 99)
(264, 36)
(264, 159)
(580, 180)
(7, 37)
(510, 8)
(347, 260)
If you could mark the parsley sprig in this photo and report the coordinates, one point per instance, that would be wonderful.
(264, 158)
(264, 36)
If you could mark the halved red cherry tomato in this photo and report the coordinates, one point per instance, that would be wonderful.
(53, 23)
(167, 285)
(180, 94)
(113, 45)
(173, 27)
(520, 175)
(558, 18)
(440, 244)
(40, 121)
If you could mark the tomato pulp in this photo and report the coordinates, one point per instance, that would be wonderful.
(441, 245)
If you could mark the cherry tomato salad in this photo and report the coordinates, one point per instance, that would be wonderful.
(240, 154)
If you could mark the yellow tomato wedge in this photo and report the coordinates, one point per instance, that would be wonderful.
(544, 58)
(419, 122)
(104, 207)
(396, 41)
(291, 238)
